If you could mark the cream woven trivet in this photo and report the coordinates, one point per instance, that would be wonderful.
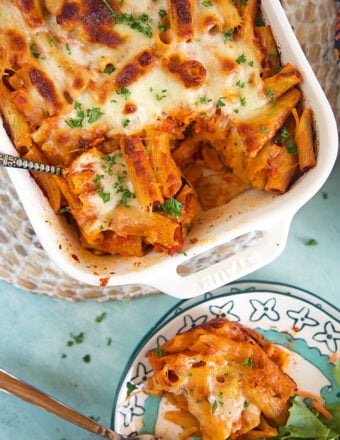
(24, 263)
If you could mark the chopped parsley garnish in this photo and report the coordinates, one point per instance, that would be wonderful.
(243, 101)
(162, 95)
(125, 122)
(98, 178)
(220, 102)
(259, 20)
(93, 114)
(126, 195)
(162, 27)
(35, 53)
(248, 363)
(282, 136)
(118, 186)
(109, 69)
(162, 13)
(245, 404)
(171, 207)
(214, 407)
(130, 387)
(52, 40)
(291, 147)
(207, 3)
(105, 196)
(240, 84)
(227, 35)
(241, 59)
(78, 121)
(202, 100)
(271, 94)
(140, 24)
(64, 209)
(159, 352)
(110, 161)
(124, 91)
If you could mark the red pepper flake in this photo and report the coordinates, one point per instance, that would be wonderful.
(75, 257)
(104, 281)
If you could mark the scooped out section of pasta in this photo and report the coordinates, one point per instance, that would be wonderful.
(156, 110)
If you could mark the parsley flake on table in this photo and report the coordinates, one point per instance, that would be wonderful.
(311, 242)
(78, 339)
(101, 317)
(87, 358)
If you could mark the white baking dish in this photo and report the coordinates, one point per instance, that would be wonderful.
(256, 212)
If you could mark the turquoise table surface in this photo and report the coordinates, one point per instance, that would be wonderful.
(35, 330)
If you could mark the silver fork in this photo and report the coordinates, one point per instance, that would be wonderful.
(24, 391)
(7, 160)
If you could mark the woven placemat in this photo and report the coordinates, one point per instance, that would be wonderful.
(25, 264)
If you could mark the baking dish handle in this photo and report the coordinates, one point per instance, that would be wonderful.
(268, 247)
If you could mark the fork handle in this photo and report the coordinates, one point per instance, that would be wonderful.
(24, 391)
(7, 160)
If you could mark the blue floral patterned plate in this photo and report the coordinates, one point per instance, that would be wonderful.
(302, 323)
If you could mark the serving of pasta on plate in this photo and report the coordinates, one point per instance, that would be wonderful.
(156, 110)
(249, 361)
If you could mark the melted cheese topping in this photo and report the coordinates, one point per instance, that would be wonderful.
(83, 77)
(62, 50)
(115, 187)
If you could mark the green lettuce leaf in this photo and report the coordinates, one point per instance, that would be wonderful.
(302, 423)
(334, 422)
